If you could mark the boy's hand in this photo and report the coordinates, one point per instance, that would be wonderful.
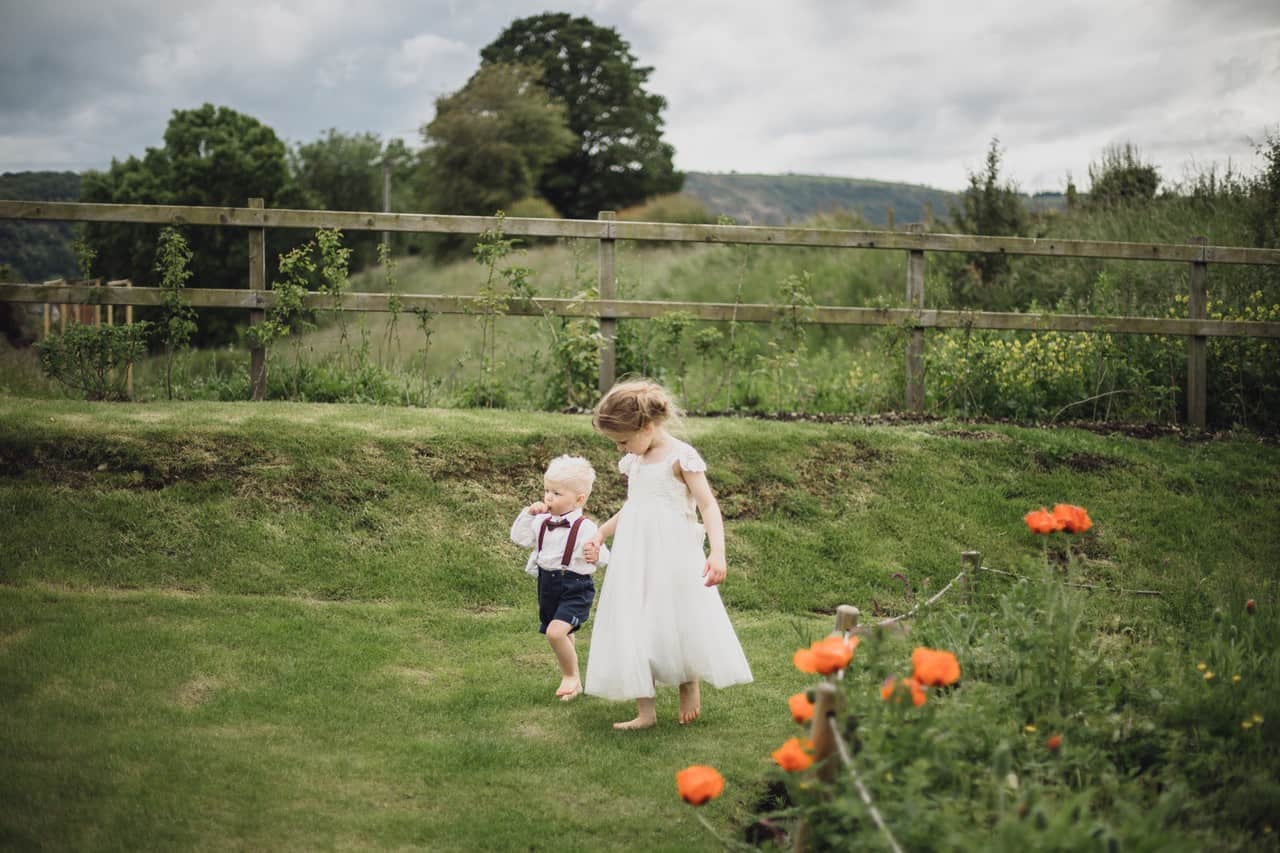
(591, 548)
(536, 508)
(715, 570)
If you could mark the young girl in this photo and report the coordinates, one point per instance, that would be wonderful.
(660, 618)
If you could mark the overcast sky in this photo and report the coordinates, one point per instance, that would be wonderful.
(898, 91)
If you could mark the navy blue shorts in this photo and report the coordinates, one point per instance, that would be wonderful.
(564, 595)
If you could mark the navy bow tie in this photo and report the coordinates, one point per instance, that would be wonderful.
(564, 522)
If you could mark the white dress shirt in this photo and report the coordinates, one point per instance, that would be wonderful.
(524, 532)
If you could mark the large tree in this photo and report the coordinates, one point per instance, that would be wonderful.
(620, 158)
(490, 141)
(343, 171)
(211, 156)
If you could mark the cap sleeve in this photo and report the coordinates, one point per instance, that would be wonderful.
(690, 460)
(625, 463)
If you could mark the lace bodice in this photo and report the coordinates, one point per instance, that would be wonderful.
(655, 483)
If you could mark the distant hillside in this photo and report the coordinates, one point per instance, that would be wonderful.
(782, 199)
(37, 251)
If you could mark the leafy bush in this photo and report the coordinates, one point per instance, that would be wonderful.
(94, 360)
(674, 207)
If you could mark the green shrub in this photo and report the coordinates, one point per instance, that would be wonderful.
(94, 360)
(675, 207)
(1069, 729)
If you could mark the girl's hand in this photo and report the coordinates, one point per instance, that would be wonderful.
(715, 570)
(536, 508)
(591, 548)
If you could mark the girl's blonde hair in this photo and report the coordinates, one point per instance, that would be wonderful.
(632, 405)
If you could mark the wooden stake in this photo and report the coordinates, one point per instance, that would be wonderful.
(607, 284)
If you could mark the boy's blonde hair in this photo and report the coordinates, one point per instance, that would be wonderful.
(572, 471)
(632, 405)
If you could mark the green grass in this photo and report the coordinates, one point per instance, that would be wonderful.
(301, 626)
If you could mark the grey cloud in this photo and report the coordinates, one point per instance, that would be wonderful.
(904, 91)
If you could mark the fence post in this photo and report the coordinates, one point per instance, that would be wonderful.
(257, 281)
(915, 339)
(822, 734)
(1197, 366)
(128, 321)
(608, 290)
(846, 619)
(971, 561)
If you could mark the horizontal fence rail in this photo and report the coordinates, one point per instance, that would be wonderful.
(607, 230)
(635, 309)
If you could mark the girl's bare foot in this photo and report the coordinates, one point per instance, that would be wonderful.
(569, 686)
(646, 716)
(637, 723)
(690, 702)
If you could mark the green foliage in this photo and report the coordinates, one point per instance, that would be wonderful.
(532, 207)
(500, 285)
(673, 207)
(1121, 178)
(38, 251)
(85, 256)
(1264, 194)
(994, 209)
(339, 171)
(620, 158)
(211, 156)
(342, 171)
(490, 142)
(177, 322)
(1072, 727)
(94, 360)
(334, 261)
(573, 378)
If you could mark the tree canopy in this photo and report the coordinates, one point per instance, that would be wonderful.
(211, 156)
(620, 158)
(994, 208)
(490, 141)
(1121, 177)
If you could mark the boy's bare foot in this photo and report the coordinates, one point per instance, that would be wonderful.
(690, 702)
(637, 723)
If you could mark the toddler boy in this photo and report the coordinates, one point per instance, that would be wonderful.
(556, 531)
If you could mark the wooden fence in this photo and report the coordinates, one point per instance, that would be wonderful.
(607, 230)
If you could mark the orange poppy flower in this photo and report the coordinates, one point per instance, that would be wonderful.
(1250, 606)
(803, 659)
(697, 784)
(1054, 743)
(791, 756)
(833, 653)
(1073, 519)
(801, 708)
(825, 656)
(1042, 521)
(897, 691)
(934, 668)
